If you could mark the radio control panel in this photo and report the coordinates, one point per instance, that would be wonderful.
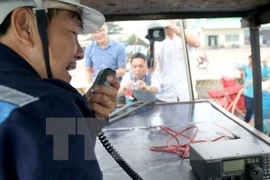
(230, 160)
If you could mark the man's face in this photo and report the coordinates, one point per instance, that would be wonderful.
(138, 68)
(64, 47)
(101, 35)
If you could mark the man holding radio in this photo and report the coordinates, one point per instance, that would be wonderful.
(38, 46)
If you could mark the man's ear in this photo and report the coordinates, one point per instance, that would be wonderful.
(23, 25)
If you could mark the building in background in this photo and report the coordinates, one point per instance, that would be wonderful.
(225, 32)
(221, 33)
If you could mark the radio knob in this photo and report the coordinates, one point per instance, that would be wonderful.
(254, 172)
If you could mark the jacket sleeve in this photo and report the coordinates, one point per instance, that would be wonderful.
(27, 150)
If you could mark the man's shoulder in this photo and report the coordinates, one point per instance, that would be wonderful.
(91, 46)
(92, 43)
(40, 102)
(117, 44)
(44, 95)
(35, 86)
(154, 74)
(126, 77)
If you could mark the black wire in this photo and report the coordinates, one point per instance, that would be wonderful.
(116, 156)
(109, 148)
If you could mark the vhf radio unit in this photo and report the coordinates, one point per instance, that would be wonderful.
(230, 160)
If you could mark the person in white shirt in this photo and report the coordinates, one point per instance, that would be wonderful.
(170, 55)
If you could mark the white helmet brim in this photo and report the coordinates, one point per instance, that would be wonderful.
(92, 19)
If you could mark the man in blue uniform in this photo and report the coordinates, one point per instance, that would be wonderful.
(248, 91)
(104, 53)
(46, 126)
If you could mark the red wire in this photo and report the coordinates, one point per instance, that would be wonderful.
(182, 149)
(224, 128)
(179, 149)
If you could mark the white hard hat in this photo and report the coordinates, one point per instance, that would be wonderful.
(92, 19)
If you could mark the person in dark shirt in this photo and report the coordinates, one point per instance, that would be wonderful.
(47, 129)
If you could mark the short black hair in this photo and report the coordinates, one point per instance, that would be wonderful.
(138, 55)
(5, 25)
(51, 13)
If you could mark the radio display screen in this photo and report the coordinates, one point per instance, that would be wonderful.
(234, 165)
(238, 164)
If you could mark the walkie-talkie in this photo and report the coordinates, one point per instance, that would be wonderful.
(102, 75)
(101, 80)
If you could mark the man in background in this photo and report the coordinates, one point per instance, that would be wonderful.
(248, 91)
(104, 53)
(143, 86)
(170, 56)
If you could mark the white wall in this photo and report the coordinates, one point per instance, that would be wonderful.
(220, 33)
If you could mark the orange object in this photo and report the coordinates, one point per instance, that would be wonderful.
(225, 91)
(228, 94)
(228, 81)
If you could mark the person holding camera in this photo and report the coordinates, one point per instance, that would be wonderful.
(138, 81)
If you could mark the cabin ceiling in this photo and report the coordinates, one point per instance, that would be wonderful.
(122, 10)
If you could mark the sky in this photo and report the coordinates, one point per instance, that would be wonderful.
(137, 27)
(140, 27)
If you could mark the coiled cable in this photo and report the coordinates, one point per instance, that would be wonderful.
(107, 145)
(116, 156)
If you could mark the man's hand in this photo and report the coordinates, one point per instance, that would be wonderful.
(102, 99)
(128, 85)
(191, 39)
(170, 22)
(142, 86)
